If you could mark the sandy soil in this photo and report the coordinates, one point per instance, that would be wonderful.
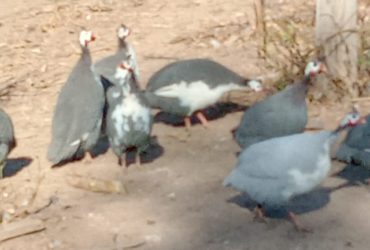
(177, 200)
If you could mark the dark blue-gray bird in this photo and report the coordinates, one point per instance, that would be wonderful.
(78, 113)
(355, 148)
(129, 121)
(106, 67)
(274, 171)
(283, 113)
(188, 86)
(7, 139)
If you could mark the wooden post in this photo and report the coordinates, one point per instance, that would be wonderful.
(259, 12)
(338, 40)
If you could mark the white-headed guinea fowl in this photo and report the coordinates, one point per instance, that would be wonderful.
(78, 113)
(129, 121)
(106, 67)
(283, 113)
(274, 171)
(188, 86)
(7, 139)
(355, 148)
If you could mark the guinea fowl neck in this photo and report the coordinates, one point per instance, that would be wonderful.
(122, 43)
(86, 56)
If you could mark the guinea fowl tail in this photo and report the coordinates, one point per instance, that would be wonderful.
(58, 152)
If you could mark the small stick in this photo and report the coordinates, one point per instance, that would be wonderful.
(20, 228)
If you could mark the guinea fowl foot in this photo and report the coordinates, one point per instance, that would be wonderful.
(293, 218)
(259, 215)
(202, 119)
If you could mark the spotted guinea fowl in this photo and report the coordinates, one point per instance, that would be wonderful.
(355, 148)
(106, 67)
(129, 121)
(7, 139)
(188, 86)
(78, 113)
(274, 171)
(281, 114)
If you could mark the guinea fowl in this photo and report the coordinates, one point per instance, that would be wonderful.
(106, 67)
(78, 113)
(187, 86)
(7, 140)
(356, 146)
(274, 171)
(129, 121)
(283, 113)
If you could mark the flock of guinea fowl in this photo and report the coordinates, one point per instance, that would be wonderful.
(278, 160)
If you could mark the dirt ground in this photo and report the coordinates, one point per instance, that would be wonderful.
(177, 200)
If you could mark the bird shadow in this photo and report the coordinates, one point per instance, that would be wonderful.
(14, 165)
(354, 175)
(153, 152)
(305, 203)
(211, 113)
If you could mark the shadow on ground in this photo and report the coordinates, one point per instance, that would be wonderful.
(211, 113)
(354, 175)
(312, 201)
(13, 166)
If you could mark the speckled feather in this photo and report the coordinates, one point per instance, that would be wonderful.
(275, 170)
(78, 112)
(283, 113)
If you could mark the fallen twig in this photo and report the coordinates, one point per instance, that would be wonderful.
(20, 228)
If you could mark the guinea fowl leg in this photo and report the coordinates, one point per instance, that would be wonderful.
(202, 119)
(187, 122)
(297, 225)
(258, 214)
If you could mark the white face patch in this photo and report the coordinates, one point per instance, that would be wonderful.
(350, 119)
(196, 95)
(85, 37)
(255, 85)
(312, 68)
(133, 62)
(123, 32)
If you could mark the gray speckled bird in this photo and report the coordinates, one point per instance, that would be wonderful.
(356, 146)
(188, 86)
(274, 171)
(106, 67)
(129, 121)
(78, 113)
(7, 139)
(283, 113)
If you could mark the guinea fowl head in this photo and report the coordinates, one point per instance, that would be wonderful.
(352, 119)
(123, 32)
(314, 68)
(86, 37)
(124, 72)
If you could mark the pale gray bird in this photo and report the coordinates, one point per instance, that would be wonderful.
(78, 113)
(188, 86)
(7, 139)
(129, 121)
(281, 114)
(274, 171)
